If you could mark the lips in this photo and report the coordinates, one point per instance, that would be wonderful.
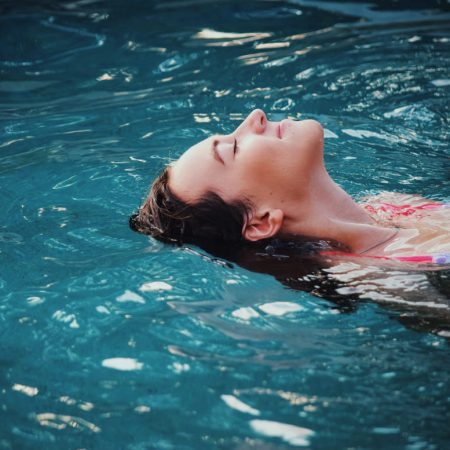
(284, 126)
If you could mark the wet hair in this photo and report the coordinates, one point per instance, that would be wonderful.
(210, 221)
(216, 226)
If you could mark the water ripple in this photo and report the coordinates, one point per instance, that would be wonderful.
(96, 97)
(37, 28)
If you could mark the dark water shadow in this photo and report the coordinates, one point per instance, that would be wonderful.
(418, 296)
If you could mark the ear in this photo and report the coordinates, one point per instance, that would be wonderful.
(263, 225)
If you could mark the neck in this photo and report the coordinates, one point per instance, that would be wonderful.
(330, 213)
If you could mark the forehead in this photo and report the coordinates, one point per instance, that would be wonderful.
(188, 175)
(194, 151)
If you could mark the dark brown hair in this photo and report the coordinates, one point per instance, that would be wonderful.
(208, 221)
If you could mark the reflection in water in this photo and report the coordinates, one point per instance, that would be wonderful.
(110, 340)
(419, 293)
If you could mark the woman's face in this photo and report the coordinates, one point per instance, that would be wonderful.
(266, 162)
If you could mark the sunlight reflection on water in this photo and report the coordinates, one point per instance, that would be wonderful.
(113, 339)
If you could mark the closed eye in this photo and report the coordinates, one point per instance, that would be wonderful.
(235, 148)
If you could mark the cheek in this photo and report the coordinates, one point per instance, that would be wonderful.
(257, 165)
(259, 178)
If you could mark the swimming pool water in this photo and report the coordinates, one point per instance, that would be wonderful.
(113, 340)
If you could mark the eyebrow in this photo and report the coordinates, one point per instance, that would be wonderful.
(215, 152)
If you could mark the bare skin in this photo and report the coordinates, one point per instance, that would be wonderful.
(279, 167)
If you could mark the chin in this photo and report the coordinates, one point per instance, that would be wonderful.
(312, 126)
(311, 133)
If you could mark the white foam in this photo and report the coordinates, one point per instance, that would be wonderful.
(180, 367)
(35, 300)
(105, 77)
(297, 436)
(102, 309)
(329, 134)
(239, 405)
(245, 313)
(441, 82)
(62, 316)
(59, 422)
(444, 333)
(74, 324)
(280, 308)
(398, 112)
(27, 390)
(125, 364)
(305, 74)
(129, 296)
(155, 286)
(361, 134)
(142, 409)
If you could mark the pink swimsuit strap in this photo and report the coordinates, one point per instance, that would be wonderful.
(405, 210)
(441, 258)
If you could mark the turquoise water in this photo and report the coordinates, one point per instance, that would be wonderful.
(113, 340)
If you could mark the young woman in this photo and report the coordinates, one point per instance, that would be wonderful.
(268, 180)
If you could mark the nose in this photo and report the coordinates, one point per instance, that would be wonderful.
(255, 122)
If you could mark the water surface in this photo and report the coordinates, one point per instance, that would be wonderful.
(113, 340)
